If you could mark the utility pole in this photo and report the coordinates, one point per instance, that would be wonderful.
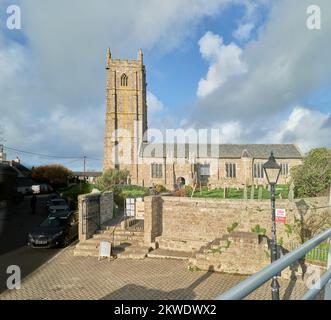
(80, 180)
(84, 165)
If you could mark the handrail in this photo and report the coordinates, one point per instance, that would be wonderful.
(247, 286)
(115, 227)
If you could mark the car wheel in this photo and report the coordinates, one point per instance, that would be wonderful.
(66, 241)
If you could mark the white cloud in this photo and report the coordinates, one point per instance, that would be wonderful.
(225, 62)
(286, 64)
(304, 127)
(243, 31)
(154, 104)
(52, 87)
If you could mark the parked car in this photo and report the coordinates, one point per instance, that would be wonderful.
(55, 231)
(57, 205)
(51, 197)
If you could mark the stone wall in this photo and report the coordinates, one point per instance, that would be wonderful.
(94, 210)
(185, 224)
(106, 206)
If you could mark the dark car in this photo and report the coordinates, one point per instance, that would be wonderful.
(55, 231)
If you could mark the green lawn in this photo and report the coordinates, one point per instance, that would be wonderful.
(233, 193)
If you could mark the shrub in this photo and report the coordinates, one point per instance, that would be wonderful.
(110, 178)
(159, 188)
(258, 230)
(122, 192)
(232, 227)
(54, 174)
(313, 177)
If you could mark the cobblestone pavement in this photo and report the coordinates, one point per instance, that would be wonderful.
(69, 277)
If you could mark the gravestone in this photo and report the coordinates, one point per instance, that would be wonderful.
(291, 193)
(245, 193)
(252, 192)
(260, 193)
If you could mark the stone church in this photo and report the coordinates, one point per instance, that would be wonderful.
(216, 165)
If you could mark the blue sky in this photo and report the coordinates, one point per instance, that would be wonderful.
(250, 68)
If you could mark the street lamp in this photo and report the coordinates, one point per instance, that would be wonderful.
(272, 171)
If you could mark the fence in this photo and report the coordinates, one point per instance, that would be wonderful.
(317, 254)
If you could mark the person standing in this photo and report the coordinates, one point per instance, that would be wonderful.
(33, 203)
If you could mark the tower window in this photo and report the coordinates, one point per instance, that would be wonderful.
(124, 80)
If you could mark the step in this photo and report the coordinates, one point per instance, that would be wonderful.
(117, 239)
(118, 236)
(94, 243)
(170, 254)
(122, 251)
(134, 252)
(86, 253)
(122, 233)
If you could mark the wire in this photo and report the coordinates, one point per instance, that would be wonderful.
(42, 155)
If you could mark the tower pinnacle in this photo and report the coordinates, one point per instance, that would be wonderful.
(140, 55)
(108, 58)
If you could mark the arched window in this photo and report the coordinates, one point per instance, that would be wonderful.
(124, 80)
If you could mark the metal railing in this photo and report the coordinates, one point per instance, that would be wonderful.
(249, 285)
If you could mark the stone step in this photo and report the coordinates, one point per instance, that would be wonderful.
(134, 252)
(170, 254)
(122, 233)
(117, 238)
(94, 243)
(86, 253)
(122, 251)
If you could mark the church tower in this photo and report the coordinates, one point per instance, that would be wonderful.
(126, 113)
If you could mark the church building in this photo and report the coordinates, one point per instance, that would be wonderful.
(127, 147)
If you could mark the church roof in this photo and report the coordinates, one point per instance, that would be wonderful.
(221, 151)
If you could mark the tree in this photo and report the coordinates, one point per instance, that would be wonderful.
(313, 177)
(111, 178)
(54, 174)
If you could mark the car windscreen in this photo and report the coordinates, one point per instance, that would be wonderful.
(58, 203)
(54, 222)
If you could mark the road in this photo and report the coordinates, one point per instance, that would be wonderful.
(15, 223)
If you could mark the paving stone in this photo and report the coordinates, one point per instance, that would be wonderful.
(69, 277)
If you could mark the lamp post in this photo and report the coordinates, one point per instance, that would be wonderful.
(272, 171)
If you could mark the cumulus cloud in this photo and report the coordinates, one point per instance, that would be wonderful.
(286, 63)
(304, 127)
(53, 85)
(225, 62)
(244, 31)
(154, 104)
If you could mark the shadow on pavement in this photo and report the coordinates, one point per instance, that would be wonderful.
(15, 224)
(136, 292)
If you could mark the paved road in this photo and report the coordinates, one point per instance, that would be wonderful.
(15, 223)
(69, 277)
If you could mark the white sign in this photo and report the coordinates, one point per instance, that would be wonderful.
(105, 249)
(281, 215)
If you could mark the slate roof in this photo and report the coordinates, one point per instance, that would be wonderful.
(25, 182)
(222, 151)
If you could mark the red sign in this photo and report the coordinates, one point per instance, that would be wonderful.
(281, 215)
